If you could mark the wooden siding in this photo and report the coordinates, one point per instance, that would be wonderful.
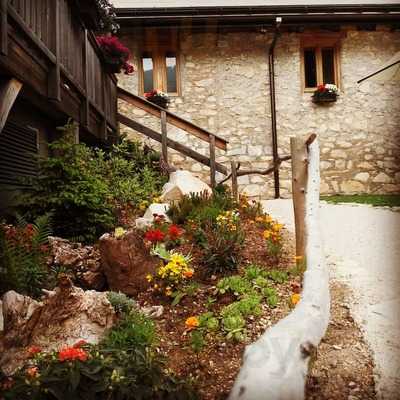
(48, 48)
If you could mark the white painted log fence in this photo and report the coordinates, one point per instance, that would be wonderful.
(275, 366)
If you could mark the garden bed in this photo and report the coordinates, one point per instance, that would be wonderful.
(222, 270)
(210, 353)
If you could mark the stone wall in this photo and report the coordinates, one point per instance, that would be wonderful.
(225, 90)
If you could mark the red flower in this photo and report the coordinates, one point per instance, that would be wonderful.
(154, 236)
(151, 94)
(80, 343)
(174, 232)
(33, 350)
(321, 88)
(71, 354)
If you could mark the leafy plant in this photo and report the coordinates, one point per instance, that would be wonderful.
(134, 331)
(248, 305)
(130, 370)
(223, 249)
(271, 296)
(23, 253)
(121, 303)
(234, 284)
(85, 188)
(234, 326)
(197, 341)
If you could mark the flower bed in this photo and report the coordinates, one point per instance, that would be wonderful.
(226, 275)
(223, 272)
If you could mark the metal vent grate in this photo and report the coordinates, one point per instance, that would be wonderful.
(18, 154)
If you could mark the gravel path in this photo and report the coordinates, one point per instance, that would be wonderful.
(362, 244)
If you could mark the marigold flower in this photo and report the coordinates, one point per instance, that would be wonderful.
(188, 274)
(295, 298)
(149, 277)
(71, 354)
(32, 372)
(192, 323)
(33, 350)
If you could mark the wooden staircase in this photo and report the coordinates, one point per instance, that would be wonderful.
(167, 117)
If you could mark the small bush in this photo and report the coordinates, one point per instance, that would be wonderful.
(121, 303)
(85, 188)
(134, 331)
(23, 253)
(129, 370)
(223, 249)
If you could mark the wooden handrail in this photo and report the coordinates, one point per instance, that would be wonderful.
(172, 118)
(171, 143)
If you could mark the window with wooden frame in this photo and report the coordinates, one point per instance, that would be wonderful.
(159, 66)
(320, 61)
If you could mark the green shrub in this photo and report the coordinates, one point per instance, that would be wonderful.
(234, 326)
(23, 253)
(134, 331)
(234, 284)
(248, 305)
(222, 250)
(98, 373)
(121, 303)
(200, 208)
(84, 187)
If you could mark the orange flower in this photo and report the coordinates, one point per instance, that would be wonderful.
(295, 298)
(71, 354)
(192, 323)
(33, 350)
(32, 372)
(188, 274)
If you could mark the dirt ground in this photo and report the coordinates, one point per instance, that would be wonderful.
(343, 368)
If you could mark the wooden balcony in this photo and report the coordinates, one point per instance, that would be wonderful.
(45, 45)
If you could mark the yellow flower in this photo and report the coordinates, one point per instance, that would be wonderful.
(119, 232)
(192, 323)
(295, 298)
(259, 219)
(155, 286)
(157, 199)
(149, 277)
(277, 227)
(267, 234)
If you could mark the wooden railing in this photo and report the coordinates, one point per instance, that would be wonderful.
(70, 53)
(166, 117)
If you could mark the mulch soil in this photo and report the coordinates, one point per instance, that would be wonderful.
(343, 368)
(214, 368)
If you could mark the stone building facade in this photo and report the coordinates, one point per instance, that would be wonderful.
(225, 89)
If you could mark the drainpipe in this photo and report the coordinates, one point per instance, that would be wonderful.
(271, 61)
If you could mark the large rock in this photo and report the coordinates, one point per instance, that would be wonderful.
(148, 217)
(126, 262)
(82, 261)
(182, 183)
(66, 315)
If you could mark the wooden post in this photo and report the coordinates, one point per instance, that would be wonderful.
(164, 136)
(3, 28)
(8, 93)
(235, 192)
(298, 150)
(54, 80)
(212, 162)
